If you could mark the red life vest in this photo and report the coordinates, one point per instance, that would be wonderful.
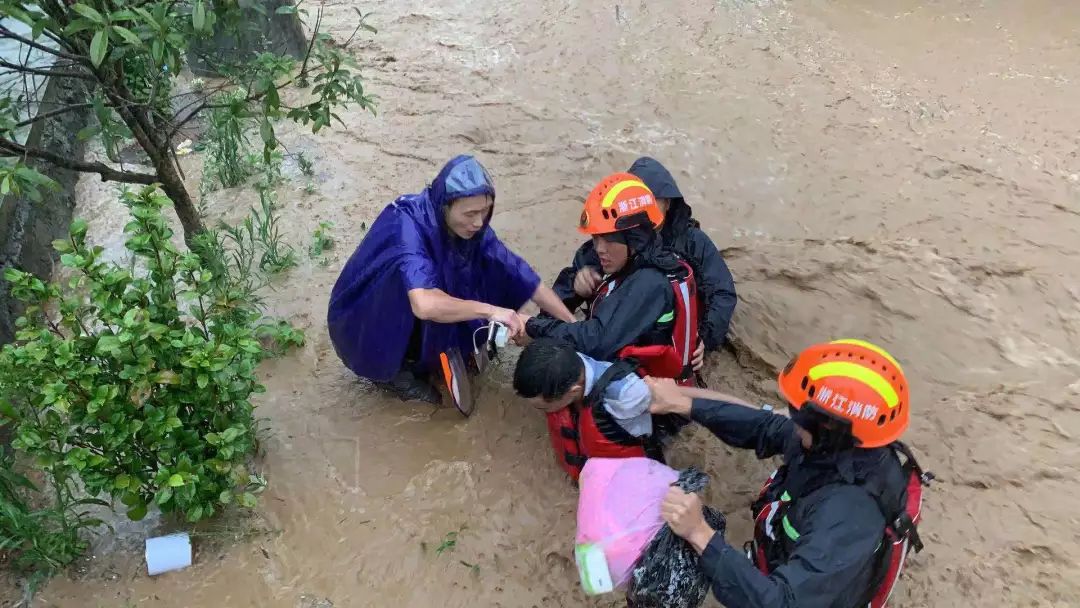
(773, 531)
(580, 432)
(673, 357)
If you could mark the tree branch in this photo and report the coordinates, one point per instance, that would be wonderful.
(25, 69)
(311, 43)
(6, 33)
(57, 112)
(107, 173)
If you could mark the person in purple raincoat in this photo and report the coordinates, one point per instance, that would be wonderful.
(424, 278)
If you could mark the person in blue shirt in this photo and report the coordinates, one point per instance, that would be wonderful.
(593, 408)
(429, 273)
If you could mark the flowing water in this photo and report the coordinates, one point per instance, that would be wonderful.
(898, 170)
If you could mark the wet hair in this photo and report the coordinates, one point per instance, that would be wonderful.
(547, 368)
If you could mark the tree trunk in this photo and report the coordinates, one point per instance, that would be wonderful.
(174, 188)
(261, 31)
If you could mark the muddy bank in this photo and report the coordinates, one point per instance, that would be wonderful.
(899, 171)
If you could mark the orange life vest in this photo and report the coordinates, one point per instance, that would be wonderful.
(588, 430)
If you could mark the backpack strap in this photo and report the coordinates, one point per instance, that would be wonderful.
(618, 370)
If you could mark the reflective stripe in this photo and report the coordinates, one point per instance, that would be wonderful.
(857, 372)
(877, 349)
(669, 317)
(609, 198)
(771, 511)
(785, 497)
(790, 530)
(684, 293)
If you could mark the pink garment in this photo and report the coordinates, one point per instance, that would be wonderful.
(619, 508)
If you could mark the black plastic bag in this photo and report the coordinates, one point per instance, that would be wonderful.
(668, 574)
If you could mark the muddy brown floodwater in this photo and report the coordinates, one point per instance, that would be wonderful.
(903, 171)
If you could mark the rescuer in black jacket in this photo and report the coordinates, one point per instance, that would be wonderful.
(682, 234)
(822, 520)
(634, 303)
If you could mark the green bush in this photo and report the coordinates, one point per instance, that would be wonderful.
(228, 160)
(137, 383)
(39, 541)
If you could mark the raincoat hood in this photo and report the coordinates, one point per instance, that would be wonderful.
(648, 250)
(679, 216)
(462, 177)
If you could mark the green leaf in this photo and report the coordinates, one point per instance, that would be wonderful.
(266, 130)
(32, 175)
(78, 228)
(137, 513)
(198, 16)
(248, 500)
(225, 497)
(106, 345)
(175, 481)
(202, 380)
(79, 25)
(99, 46)
(128, 35)
(89, 13)
(286, 10)
(5, 185)
(6, 410)
(38, 28)
(130, 499)
(164, 496)
(122, 481)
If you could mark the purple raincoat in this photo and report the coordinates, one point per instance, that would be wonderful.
(410, 247)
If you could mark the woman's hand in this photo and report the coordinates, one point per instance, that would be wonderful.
(586, 281)
(684, 516)
(667, 397)
(514, 323)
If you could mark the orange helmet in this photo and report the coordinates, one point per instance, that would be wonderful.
(619, 202)
(855, 381)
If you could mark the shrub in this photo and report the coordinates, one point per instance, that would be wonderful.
(38, 541)
(137, 382)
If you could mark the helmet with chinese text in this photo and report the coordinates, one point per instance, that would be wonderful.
(852, 380)
(619, 202)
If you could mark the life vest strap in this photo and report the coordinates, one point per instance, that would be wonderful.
(574, 460)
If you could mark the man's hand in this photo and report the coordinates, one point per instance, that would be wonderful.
(586, 281)
(523, 338)
(698, 360)
(684, 516)
(667, 397)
